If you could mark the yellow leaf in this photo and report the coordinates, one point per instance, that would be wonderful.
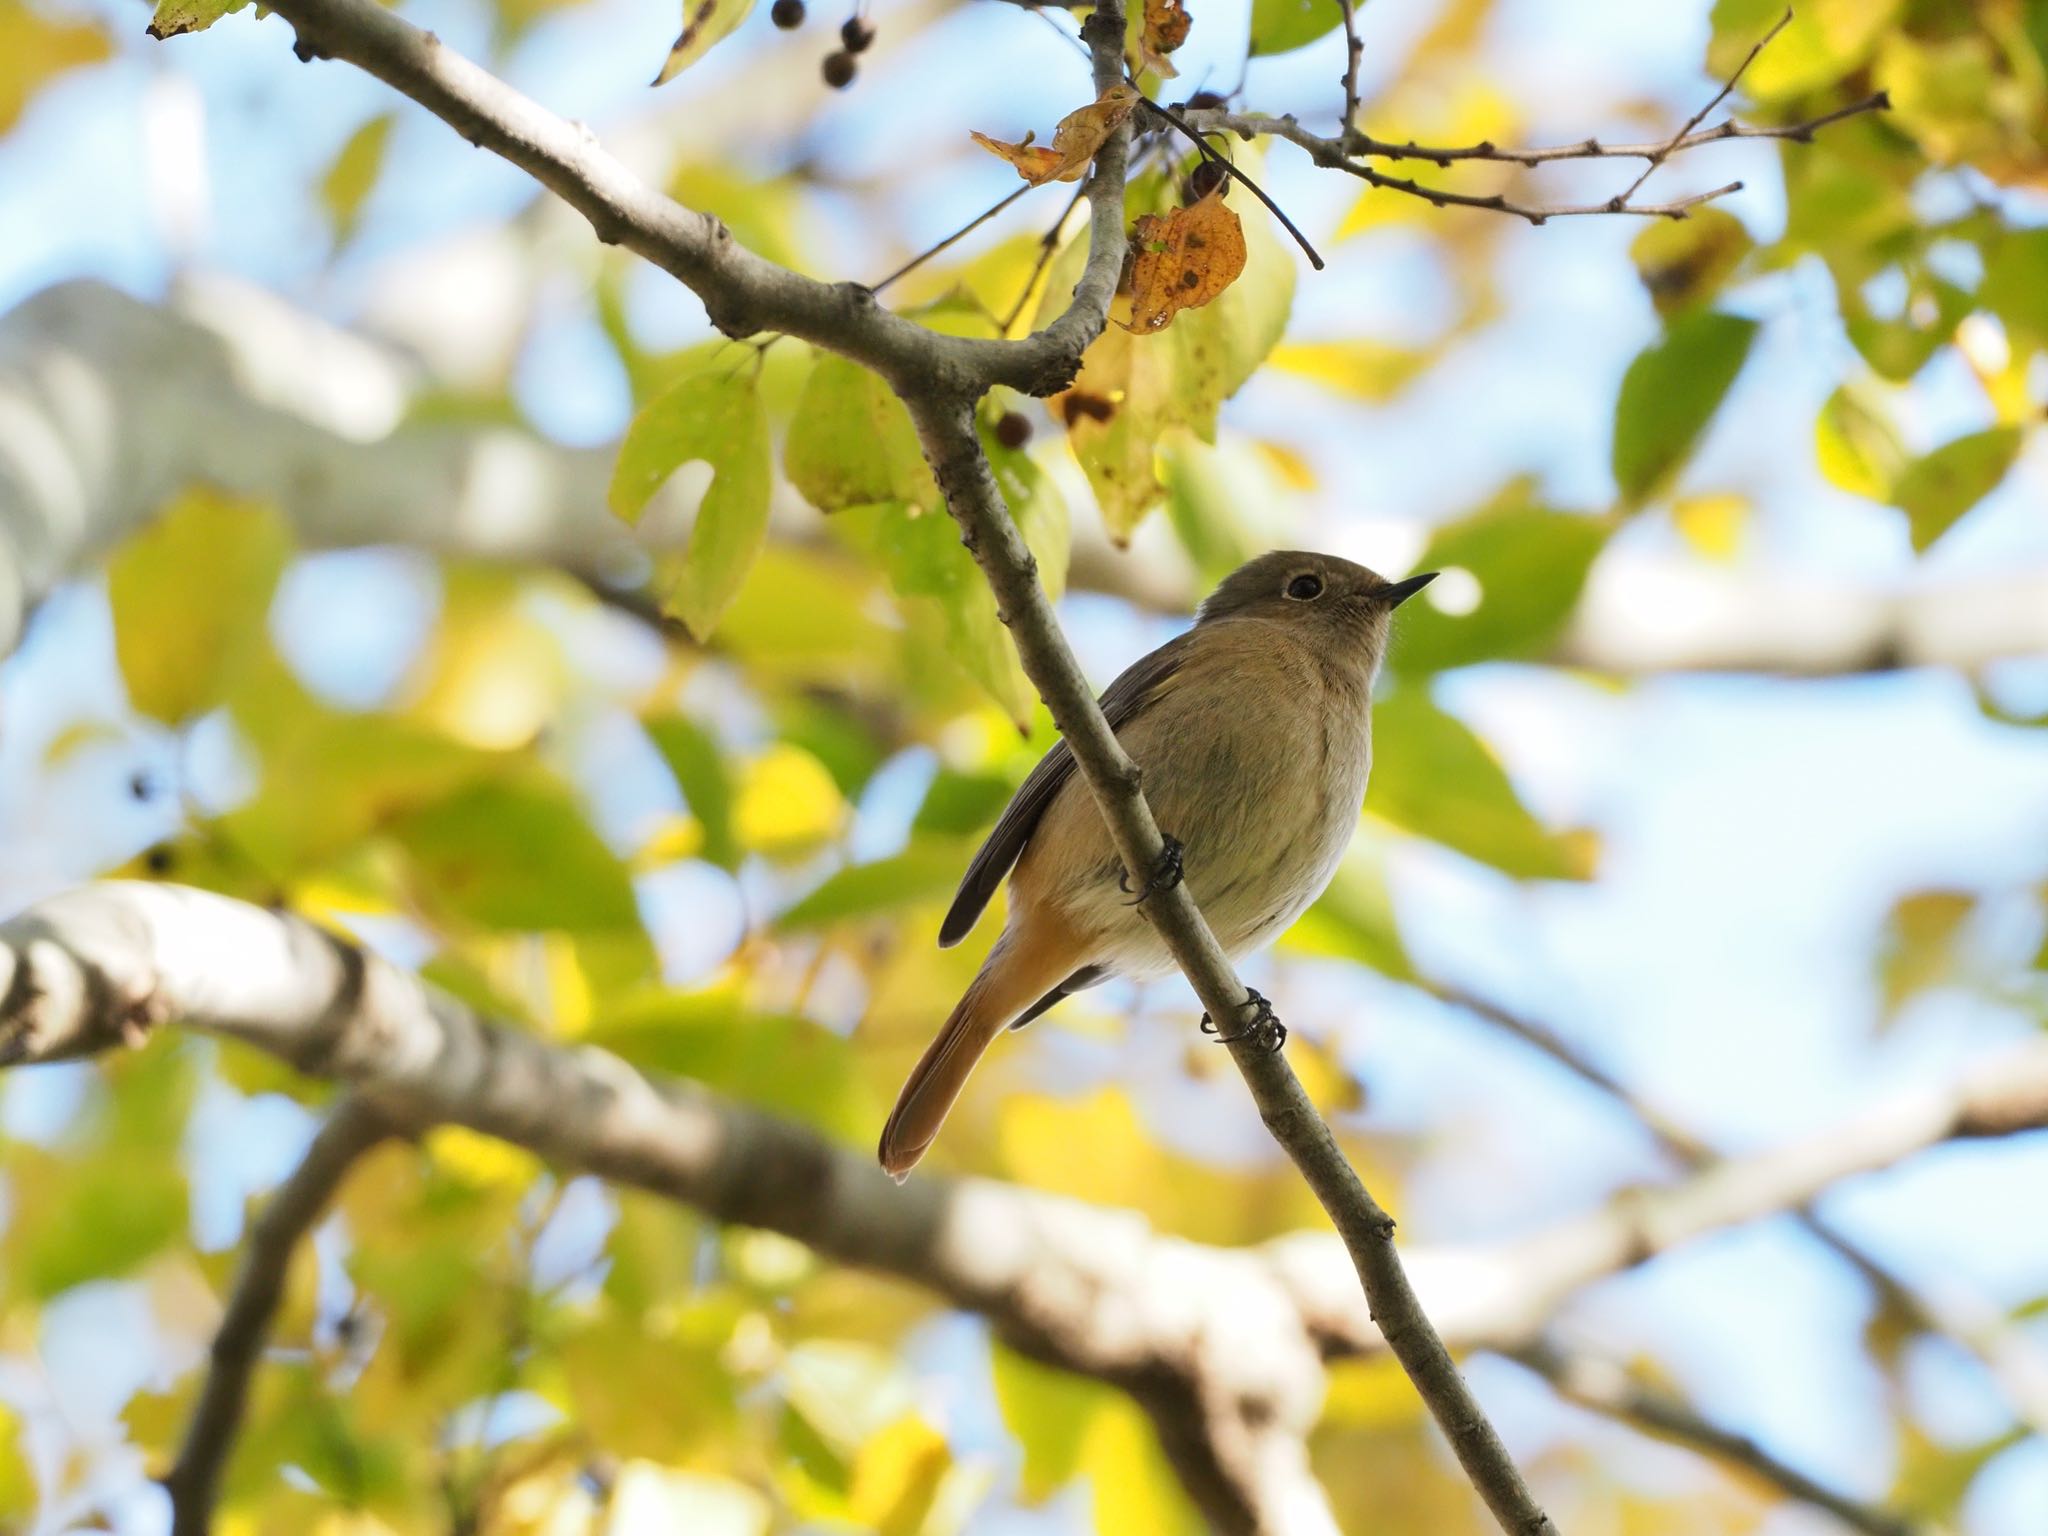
(1713, 525)
(494, 673)
(705, 22)
(191, 594)
(787, 802)
(38, 48)
(352, 175)
(481, 1160)
(1185, 259)
(897, 1477)
(1074, 142)
(650, 1497)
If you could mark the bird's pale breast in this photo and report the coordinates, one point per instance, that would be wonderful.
(1255, 757)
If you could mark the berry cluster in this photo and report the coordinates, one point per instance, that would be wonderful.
(856, 35)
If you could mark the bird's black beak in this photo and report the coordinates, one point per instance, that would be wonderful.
(1394, 594)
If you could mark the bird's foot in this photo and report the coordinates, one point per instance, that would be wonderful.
(1165, 875)
(1263, 1028)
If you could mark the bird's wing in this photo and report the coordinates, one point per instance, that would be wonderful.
(1139, 685)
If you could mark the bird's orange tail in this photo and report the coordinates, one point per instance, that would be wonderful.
(1016, 974)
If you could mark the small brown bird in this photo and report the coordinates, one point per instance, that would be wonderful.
(1254, 733)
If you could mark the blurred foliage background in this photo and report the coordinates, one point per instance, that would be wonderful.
(719, 844)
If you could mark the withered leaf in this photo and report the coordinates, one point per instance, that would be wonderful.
(1183, 259)
(1074, 142)
(1166, 28)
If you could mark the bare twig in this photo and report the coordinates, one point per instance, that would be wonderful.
(1658, 156)
(194, 1479)
(1535, 213)
(1048, 243)
(1353, 48)
(1172, 117)
(1607, 1388)
(959, 234)
(1801, 132)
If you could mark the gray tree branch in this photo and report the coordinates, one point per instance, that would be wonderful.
(1223, 1346)
(193, 1481)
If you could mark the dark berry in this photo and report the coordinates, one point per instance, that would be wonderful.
(838, 70)
(1202, 101)
(857, 34)
(787, 14)
(159, 860)
(141, 785)
(1205, 178)
(1013, 430)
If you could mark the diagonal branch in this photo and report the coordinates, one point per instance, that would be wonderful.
(194, 1479)
(953, 449)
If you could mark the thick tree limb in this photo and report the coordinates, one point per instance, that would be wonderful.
(194, 1479)
(1221, 1345)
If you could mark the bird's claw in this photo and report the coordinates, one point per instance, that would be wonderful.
(1263, 1028)
(1165, 875)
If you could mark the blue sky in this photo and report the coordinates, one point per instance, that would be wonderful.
(1753, 832)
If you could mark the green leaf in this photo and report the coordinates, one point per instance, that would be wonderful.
(1050, 1413)
(693, 757)
(329, 779)
(1670, 393)
(1685, 262)
(1279, 26)
(1354, 920)
(352, 176)
(1938, 489)
(1898, 349)
(1856, 445)
(191, 599)
(715, 415)
(961, 803)
(852, 443)
(517, 855)
(2015, 284)
(39, 47)
(1133, 391)
(924, 873)
(1433, 777)
(1530, 563)
(705, 23)
(174, 18)
(776, 1061)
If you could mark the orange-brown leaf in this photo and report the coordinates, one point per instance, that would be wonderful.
(1184, 259)
(1074, 142)
(1166, 28)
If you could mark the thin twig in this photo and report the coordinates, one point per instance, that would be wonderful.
(1801, 132)
(1171, 115)
(1046, 246)
(959, 234)
(1352, 49)
(194, 1479)
(1607, 1388)
(1677, 208)
(1658, 157)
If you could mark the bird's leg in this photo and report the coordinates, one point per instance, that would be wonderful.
(1263, 1029)
(1165, 873)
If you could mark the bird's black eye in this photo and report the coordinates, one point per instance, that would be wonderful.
(1305, 588)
